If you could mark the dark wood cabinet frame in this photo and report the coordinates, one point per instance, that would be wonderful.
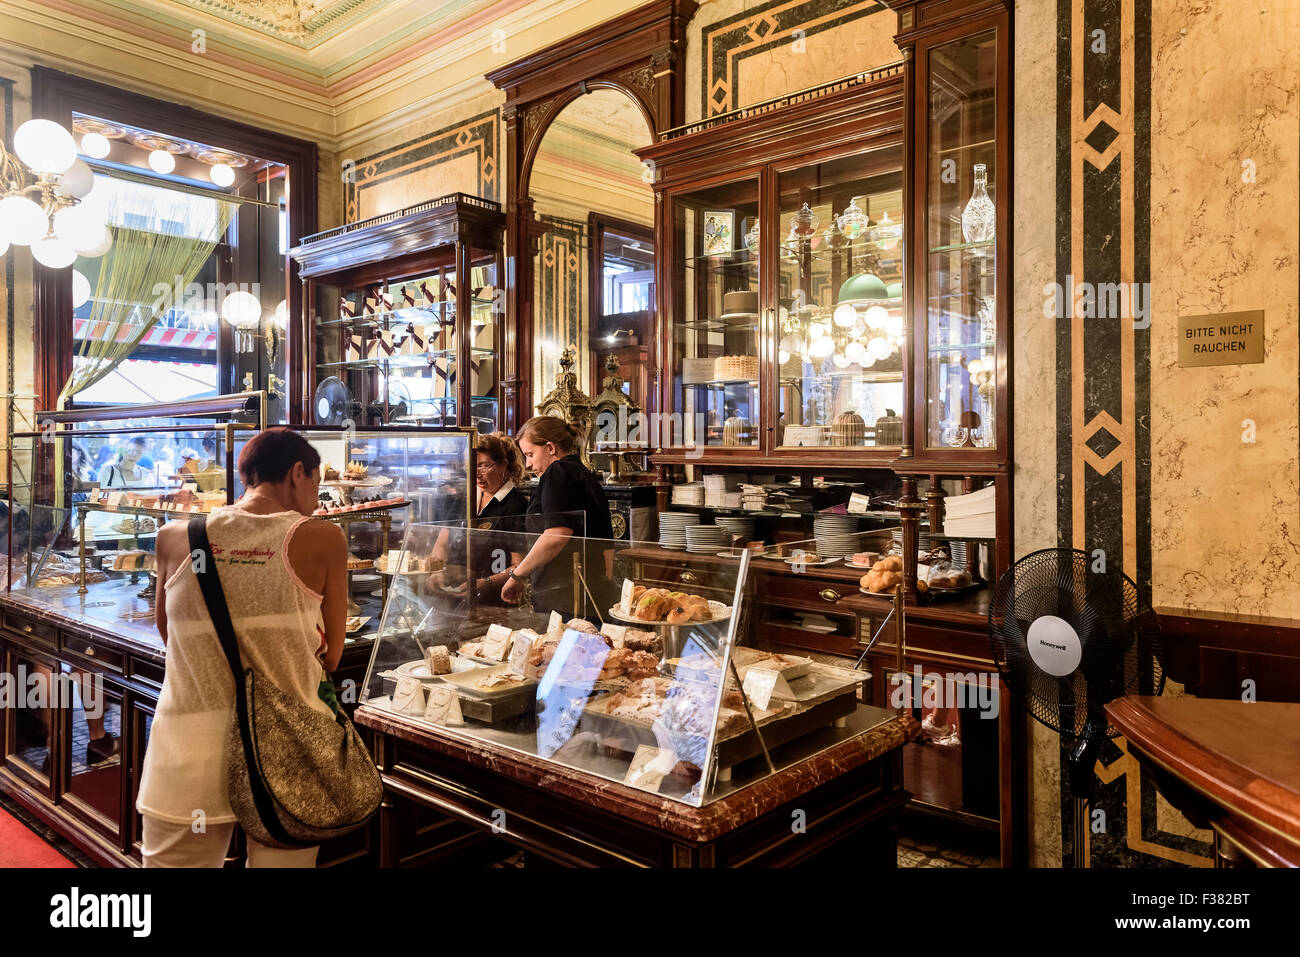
(56, 96)
(641, 55)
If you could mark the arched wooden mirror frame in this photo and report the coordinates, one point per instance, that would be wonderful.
(641, 55)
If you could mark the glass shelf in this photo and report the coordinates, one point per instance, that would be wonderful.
(748, 324)
(724, 255)
(721, 383)
(960, 246)
(861, 376)
(944, 350)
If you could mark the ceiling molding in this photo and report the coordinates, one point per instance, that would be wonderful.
(336, 93)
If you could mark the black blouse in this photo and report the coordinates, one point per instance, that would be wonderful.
(565, 488)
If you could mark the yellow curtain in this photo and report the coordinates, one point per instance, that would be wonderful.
(161, 238)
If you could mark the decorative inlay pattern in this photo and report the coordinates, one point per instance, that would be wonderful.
(477, 137)
(730, 40)
(1103, 227)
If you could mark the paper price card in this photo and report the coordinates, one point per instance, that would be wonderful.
(625, 600)
(115, 499)
(443, 707)
(496, 643)
(408, 697)
(761, 684)
(615, 633)
(858, 503)
(520, 645)
(554, 627)
(649, 767)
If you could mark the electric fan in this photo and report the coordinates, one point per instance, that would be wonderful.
(399, 402)
(334, 403)
(1069, 639)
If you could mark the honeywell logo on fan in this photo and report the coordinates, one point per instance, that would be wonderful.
(1048, 644)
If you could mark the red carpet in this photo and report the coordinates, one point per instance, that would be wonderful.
(22, 847)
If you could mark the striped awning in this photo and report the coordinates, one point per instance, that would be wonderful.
(198, 339)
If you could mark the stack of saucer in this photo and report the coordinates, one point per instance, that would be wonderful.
(672, 528)
(706, 539)
(836, 535)
(737, 525)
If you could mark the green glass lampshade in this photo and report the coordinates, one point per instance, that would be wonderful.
(863, 286)
(895, 290)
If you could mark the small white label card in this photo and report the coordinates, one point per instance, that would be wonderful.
(625, 600)
(393, 560)
(555, 627)
(190, 486)
(615, 633)
(697, 370)
(649, 767)
(443, 707)
(761, 685)
(115, 499)
(859, 503)
(408, 696)
(520, 645)
(496, 643)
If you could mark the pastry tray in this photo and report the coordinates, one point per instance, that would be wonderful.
(720, 611)
(466, 681)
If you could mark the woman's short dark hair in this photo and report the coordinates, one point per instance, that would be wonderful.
(139, 440)
(271, 455)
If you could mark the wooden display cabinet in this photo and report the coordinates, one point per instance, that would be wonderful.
(403, 310)
(764, 332)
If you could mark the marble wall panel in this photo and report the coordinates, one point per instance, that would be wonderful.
(1224, 201)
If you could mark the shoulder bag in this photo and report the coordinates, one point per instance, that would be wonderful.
(296, 777)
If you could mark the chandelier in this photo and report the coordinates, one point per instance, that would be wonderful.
(42, 190)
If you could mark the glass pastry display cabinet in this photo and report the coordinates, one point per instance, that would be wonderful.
(638, 669)
(403, 325)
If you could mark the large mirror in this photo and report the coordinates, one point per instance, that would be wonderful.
(594, 270)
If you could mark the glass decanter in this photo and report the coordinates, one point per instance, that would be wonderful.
(978, 219)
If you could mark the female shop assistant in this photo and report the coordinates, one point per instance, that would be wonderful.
(569, 501)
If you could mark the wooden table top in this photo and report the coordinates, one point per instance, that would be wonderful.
(1243, 757)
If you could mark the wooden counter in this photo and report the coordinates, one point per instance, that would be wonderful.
(849, 794)
(1227, 765)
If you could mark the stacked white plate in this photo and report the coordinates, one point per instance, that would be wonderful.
(836, 535)
(922, 540)
(706, 539)
(737, 525)
(958, 551)
(672, 528)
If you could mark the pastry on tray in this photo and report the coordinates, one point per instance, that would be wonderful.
(356, 472)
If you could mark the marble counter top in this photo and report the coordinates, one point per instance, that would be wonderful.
(746, 803)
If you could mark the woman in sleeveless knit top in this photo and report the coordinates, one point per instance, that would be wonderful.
(285, 581)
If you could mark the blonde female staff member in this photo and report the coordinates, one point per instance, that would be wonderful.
(285, 581)
(569, 501)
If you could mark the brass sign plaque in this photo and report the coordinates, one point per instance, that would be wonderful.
(1226, 339)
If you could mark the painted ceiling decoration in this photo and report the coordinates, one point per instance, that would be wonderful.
(301, 22)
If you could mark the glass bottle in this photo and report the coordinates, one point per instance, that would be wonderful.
(978, 219)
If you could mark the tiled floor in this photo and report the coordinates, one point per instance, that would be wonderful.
(930, 842)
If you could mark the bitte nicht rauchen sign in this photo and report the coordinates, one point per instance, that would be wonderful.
(1227, 339)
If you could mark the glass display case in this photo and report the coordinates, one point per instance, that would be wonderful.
(404, 325)
(80, 540)
(638, 669)
(715, 328)
(782, 277)
(961, 307)
(840, 320)
(89, 491)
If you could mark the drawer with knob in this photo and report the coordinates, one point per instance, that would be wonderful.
(806, 591)
(25, 627)
(93, 651)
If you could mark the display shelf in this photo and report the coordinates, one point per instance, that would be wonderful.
(957, 247)
(720, 383)
(859, 376)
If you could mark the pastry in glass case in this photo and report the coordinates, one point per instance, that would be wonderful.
(662, 675)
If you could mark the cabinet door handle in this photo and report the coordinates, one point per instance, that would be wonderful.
(90, 651)
(688, 577)
(829, 594)
(28, 629)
